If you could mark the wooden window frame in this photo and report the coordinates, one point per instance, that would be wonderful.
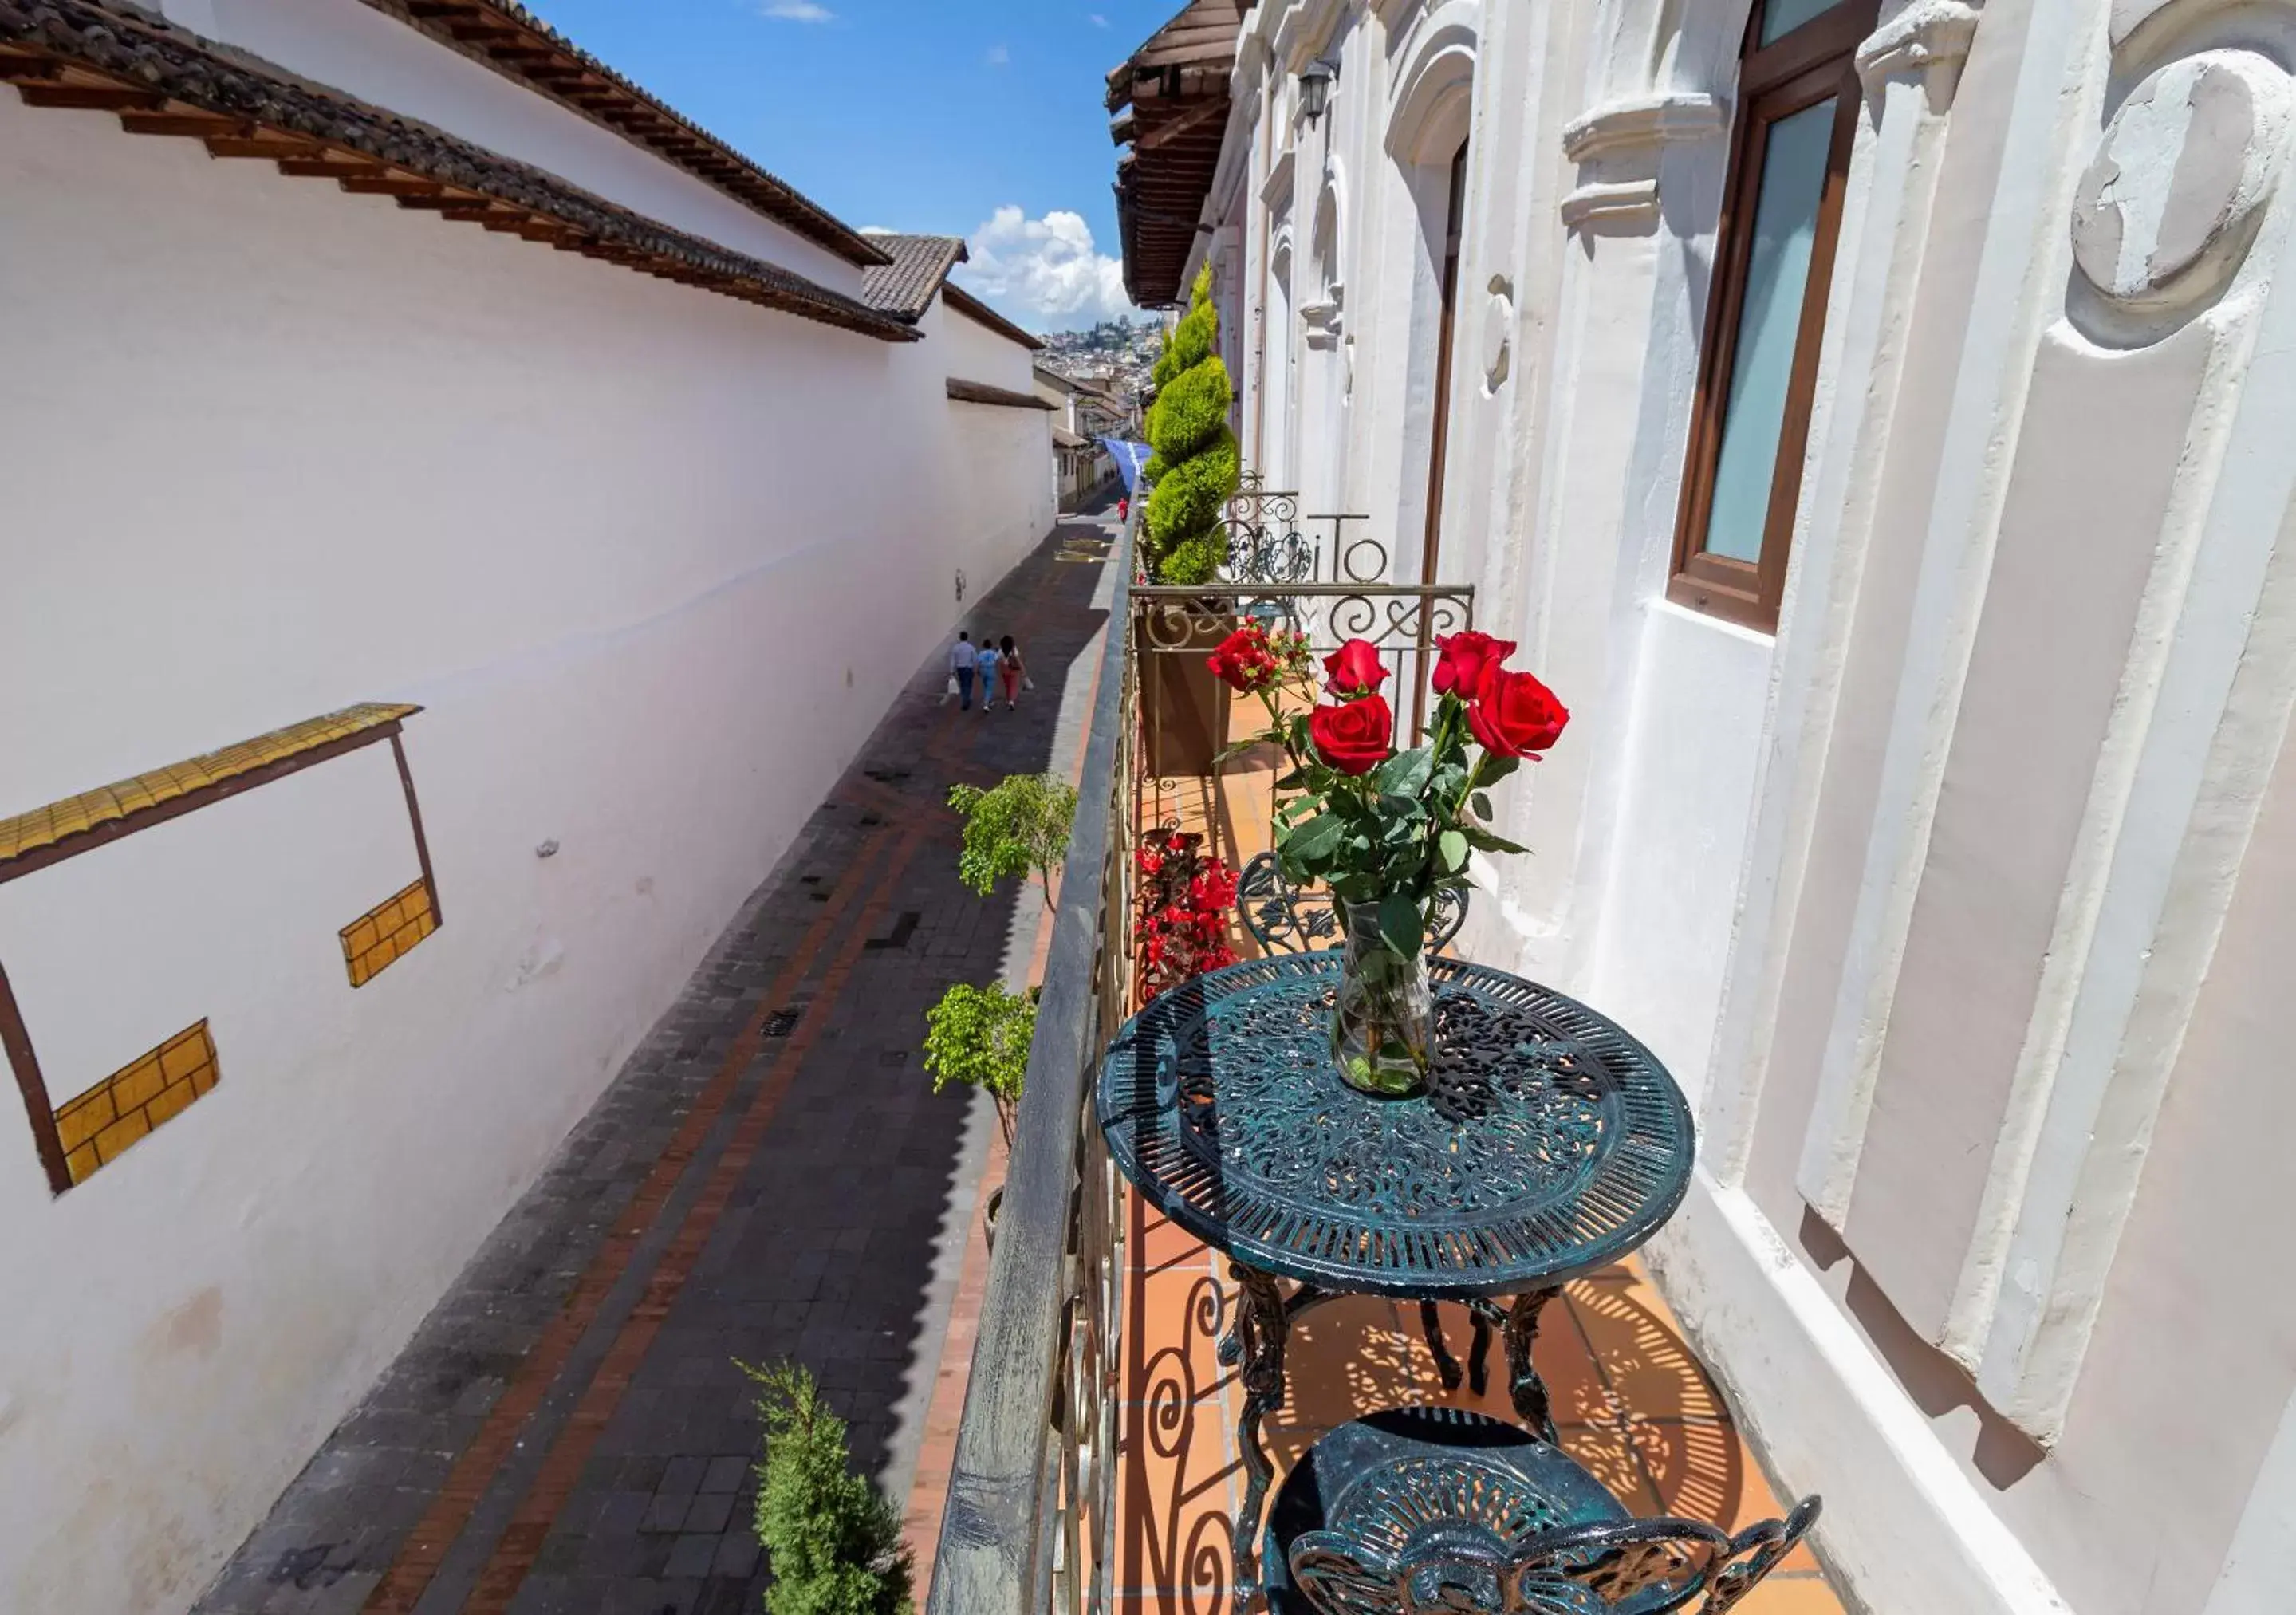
(1801, 69)
(1454, 235)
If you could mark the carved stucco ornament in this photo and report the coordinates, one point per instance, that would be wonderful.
(1618, 148)
(2163, 215)
(1931, 38)
(1498, 329)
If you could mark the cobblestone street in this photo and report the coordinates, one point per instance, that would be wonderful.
(769, 1176)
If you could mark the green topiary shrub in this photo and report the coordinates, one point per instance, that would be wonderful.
(1016, 826)
(979, 1036)
(834, 1541)
(1196, 465)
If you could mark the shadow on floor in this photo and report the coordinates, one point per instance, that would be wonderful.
(1632, 1402)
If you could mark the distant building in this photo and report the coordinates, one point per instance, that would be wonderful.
(981, 367)
(1084, 465)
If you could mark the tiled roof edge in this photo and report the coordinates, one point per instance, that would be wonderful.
(957, 298)
(627, 109)
(982, 392)
(162, 79)
(890, 291)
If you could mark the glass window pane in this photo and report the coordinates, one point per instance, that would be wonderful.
(1777, 272)
(1782, 17)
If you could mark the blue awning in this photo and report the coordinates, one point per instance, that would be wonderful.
(1129, 458)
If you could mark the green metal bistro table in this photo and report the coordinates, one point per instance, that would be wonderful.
(1549, 1143)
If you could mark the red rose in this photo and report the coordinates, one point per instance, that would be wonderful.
(1459, 670)
(1514, 715)
(1242, 660)
(1355, 669)
(1353, 738)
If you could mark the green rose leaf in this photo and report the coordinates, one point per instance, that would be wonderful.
(1399, 923)
(1404, 773)
(1314, 841)
(1482, 802)
(1453, 848)
(1483, 840)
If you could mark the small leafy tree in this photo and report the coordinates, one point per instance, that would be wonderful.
(1012, 828)
(1196, 467)
(833, 1540)
(979, 1036)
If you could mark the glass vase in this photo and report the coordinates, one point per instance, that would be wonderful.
(1383, 1014)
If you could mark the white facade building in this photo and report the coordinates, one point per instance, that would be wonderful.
(1083, 464)
(1874, 421)
(632, 540)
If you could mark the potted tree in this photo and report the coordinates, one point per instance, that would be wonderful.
(1019, 826)
(833, 1540)
(979, 1037)
(1195, 470)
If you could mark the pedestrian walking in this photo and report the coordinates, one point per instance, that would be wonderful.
(964, 664)
(988, 666)
(1011, 669)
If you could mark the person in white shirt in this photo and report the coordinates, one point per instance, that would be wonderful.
(964, 663)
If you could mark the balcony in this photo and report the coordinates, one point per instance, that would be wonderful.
(1096, 1468)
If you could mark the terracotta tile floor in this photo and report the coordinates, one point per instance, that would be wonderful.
(1633, 1404)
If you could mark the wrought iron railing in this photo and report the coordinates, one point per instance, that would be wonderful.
(1030, 1522)
(1270, 542)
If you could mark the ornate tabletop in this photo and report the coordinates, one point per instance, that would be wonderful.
(1550, 1142)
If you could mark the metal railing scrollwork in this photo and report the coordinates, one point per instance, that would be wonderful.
(1267, 543)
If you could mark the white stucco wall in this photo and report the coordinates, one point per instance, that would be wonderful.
(986, 486)
(654, 561)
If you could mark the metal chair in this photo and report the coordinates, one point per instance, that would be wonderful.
(1437, 1510)
(1286, 920)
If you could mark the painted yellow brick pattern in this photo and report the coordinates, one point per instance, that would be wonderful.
(44, 827)
(373, 942)
(127, 1104)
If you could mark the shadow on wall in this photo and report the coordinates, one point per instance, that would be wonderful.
(2003, 1454)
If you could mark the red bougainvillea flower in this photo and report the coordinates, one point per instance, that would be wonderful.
(1244, 660)
(1212, 890)
(1355, 669)
(1514, 715)
(1355, 737)
(1459, 670)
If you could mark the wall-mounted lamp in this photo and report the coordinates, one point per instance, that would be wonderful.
(1315, 87)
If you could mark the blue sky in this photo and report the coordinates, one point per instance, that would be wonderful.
(920, 115)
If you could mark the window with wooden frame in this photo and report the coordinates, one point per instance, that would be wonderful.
(1798, 101)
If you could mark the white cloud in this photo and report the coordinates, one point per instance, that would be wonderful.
(1044, 273)
(797, 11)
(999, 55)
(1098, 20)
